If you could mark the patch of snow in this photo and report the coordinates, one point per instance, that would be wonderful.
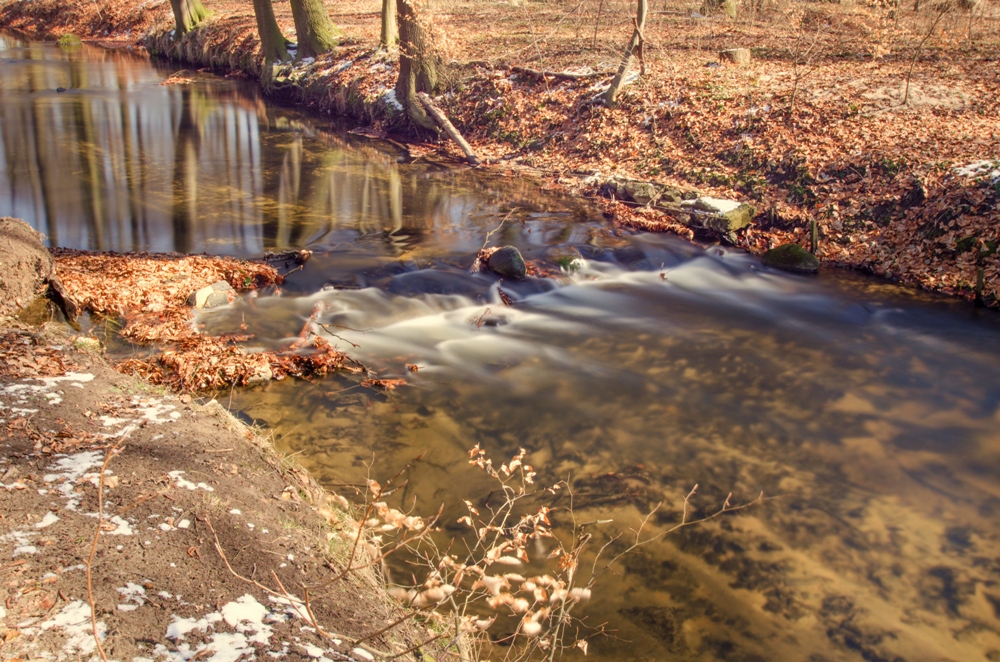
(183, 524)
(235, 511)
(362, 653)
(122, 527)
(108, 421)
(22, 540)
(390, 99)
(987, 169)
(245, 615)
(186, 484)
(347, 64)
(74, 623)
(49, 519)
(134, 594)
(154, 410)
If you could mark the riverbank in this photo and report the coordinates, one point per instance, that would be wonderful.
(207, 537)
(813, 128)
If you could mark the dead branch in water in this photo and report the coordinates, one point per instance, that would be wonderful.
(449, 128)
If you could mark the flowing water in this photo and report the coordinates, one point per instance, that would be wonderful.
(870, 412)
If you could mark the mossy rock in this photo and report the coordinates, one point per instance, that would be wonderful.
(69, 41)
(507, 262)
(793, 258)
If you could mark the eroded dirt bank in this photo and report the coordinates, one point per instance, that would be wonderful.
(206, 538)
(812, 131)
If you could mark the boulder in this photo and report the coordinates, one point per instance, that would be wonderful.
(643, 193)
(217, 294)
(25, 265)
(791, 257)
(507, 262)
(719, 215)
(735, 55)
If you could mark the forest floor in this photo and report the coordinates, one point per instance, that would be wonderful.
(813, 129)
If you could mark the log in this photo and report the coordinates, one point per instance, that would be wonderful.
(438, 115)
(558, 75)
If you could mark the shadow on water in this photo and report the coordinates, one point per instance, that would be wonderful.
(871, 412)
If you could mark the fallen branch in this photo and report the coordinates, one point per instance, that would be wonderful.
(558, 75)
(438, 115)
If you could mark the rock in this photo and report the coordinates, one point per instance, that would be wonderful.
(791, 257)
(217, 294)
(25, 264)
(69, 41)
(736, 55)
(507, 262)
(642, 193)
(718, 215)
(567, 258)
(261, 375)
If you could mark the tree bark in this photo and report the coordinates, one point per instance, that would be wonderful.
(316, 32)
(187, 14)
(634, 44)
(390, 32)
(418, 64)
(272, 43)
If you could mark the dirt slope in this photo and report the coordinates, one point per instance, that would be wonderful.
(186, 490)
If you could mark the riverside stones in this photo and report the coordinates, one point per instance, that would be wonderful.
(793, 258)
(217, 294)
(507, 262)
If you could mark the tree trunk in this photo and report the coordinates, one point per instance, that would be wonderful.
(634, 44)
(316, 32)
(187, 14)
(390, 33)
(418, 64)
(272, 43)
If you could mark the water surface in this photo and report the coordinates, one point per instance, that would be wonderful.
(871, 412)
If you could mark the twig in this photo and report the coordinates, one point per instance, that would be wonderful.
(906, 94)
(93, 546)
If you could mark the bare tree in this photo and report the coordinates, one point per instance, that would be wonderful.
(418, 63)
(634, 48)
(272, 43)
(187, 14)
(316, 32)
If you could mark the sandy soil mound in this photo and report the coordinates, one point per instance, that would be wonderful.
(25, 264)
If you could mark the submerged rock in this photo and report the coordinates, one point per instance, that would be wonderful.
(791, 257)
(507, 262)
(217, 294)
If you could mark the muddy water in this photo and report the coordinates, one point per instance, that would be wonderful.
(870, 413)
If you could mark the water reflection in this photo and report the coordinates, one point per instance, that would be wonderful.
(118, 161)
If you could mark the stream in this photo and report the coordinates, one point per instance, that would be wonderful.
(867, 414)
